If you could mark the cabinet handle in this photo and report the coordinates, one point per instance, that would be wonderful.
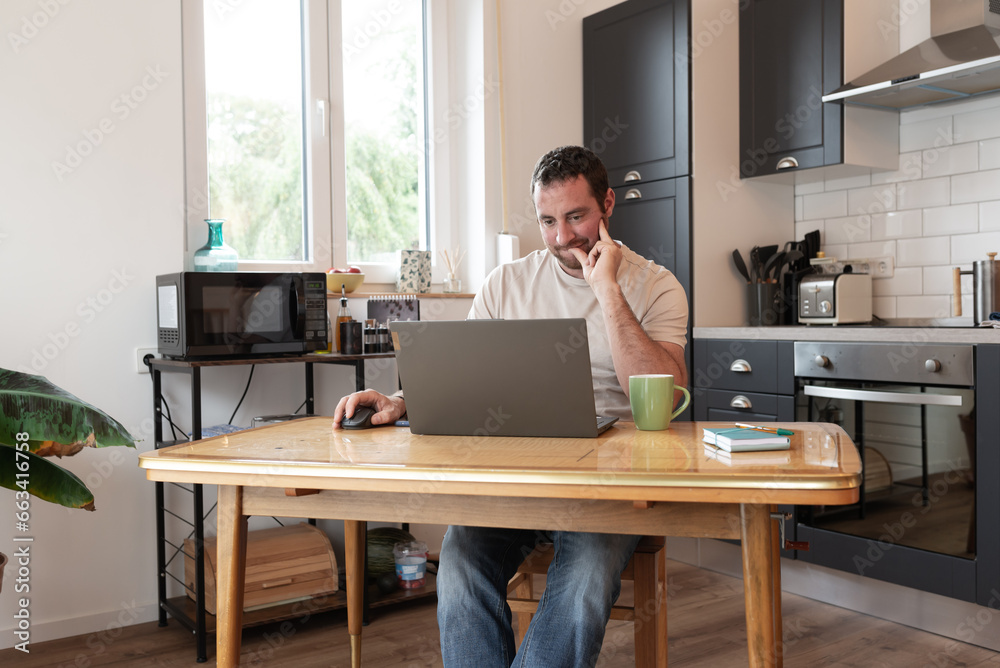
(787, 163)
(633, 193)
(740, 401)
(740, 366)
(633, 176)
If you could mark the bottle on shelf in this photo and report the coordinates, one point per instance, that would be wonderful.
(343, 315)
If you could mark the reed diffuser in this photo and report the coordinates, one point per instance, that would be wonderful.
(452, 283)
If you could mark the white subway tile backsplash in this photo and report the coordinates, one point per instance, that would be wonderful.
(897, 224)
(884, 307)
(989, 154)
(904, 281)
(938, 210)
(835, 250)
(809, 188)
(948, 160)
(876, 199)
(989, 216)
(938, 280)
(958, 219)
(923, 194)
(825, 205)
(848, 182)
(910, 169)
(923, 252)
(804, 227)
(850, 230)
(967, 248)
(976, 125)
(923, 307)
(871, 249)
(925, 134)
(976, 187)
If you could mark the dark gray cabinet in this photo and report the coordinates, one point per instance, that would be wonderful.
(743, 381)
(653, 220)
(791, 54)
(636, 117)
(636, 85)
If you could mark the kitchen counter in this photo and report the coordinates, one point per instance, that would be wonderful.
(903, 334)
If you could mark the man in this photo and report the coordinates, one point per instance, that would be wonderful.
(636, 314)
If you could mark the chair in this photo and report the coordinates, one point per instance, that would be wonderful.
(647, 571)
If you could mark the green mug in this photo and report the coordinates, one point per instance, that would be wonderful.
(652, 400)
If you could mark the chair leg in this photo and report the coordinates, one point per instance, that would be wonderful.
(650, 585)
(523, 589)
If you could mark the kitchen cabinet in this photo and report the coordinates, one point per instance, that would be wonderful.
(636, 89)
(791, 54)
(743, 381)
(636, 117)
(936, 538)
(653, 220)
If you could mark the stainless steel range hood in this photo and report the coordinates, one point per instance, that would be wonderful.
(961, 58)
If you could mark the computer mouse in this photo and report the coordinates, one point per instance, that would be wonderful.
(362, 418)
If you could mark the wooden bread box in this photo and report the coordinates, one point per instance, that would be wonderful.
(284, 564)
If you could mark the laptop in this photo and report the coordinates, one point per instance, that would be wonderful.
(497, 377)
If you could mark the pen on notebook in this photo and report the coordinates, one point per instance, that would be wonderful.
(773, 430)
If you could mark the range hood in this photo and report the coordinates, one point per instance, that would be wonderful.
(961, 59)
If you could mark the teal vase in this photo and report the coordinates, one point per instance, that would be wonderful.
(216, 255)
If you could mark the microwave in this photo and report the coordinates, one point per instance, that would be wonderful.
(240, 313)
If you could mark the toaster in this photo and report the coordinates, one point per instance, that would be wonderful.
(834, 299)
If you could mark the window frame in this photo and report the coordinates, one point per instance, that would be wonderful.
(325, 166)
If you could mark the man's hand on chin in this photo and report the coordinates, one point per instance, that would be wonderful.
(600, 266)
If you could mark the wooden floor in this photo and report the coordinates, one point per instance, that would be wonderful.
(707, 630)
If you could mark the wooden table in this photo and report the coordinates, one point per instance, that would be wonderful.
(626, 481)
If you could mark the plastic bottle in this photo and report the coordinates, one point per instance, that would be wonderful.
(343, 315)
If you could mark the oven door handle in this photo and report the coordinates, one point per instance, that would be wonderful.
(882, 397)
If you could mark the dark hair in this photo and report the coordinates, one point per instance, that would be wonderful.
(565, 164)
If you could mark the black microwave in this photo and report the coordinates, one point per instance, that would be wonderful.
(240, 313)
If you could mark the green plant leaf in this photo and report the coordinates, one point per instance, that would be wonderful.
(45, 480)
(55, 421)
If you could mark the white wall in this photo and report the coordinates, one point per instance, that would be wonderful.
(79, 248)
(543, 94)
(939, 210)
(728, 212)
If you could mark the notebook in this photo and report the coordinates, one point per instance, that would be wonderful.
(739, 439)
(497, 377)
(749, 457)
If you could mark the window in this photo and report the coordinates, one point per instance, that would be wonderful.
(384, 128)
(264, 130)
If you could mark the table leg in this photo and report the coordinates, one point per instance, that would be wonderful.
(232, 558)
(779, 644)
(354, 554)
(763, 619)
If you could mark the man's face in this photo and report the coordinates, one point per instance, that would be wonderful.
(570, 217)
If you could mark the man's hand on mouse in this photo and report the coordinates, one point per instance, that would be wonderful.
(600, 266)
(389, 409)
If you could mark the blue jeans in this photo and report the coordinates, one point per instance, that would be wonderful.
(567, 631)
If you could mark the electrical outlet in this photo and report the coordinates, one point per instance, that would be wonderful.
(140, 353)
(881, 267)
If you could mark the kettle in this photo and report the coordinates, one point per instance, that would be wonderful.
(985, 288)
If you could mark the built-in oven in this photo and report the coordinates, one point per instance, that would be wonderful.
(927, 517)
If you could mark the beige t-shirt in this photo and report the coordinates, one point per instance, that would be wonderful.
(536, 287)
